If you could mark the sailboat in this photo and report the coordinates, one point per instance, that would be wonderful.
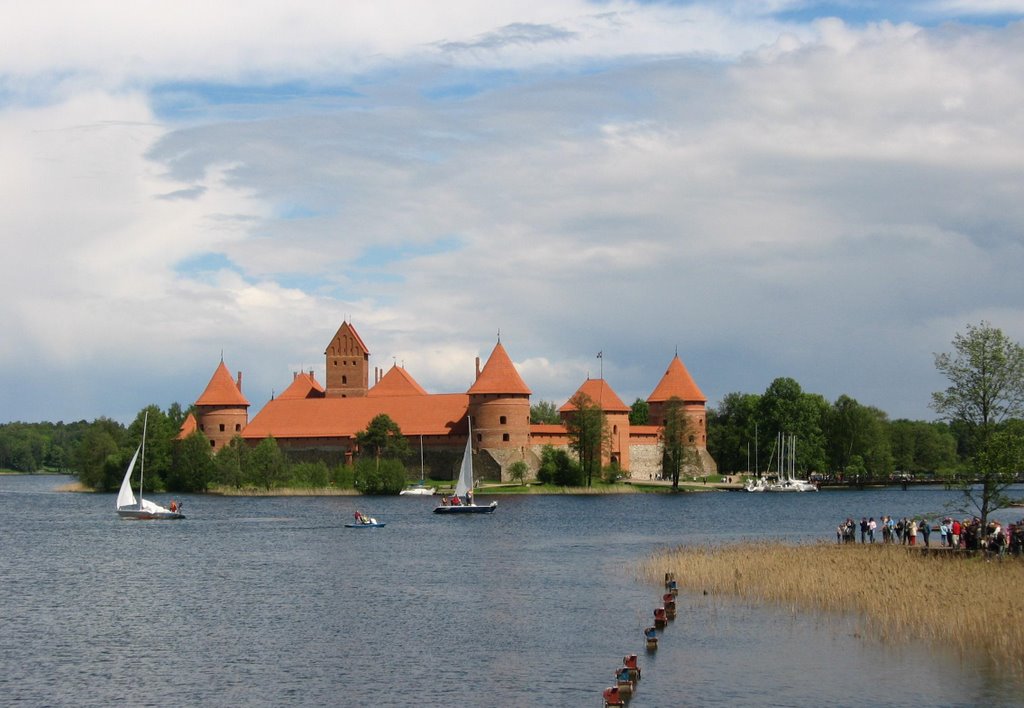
(462, 501)
(420, 489)
(127, 506)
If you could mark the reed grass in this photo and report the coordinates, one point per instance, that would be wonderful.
(968, 604)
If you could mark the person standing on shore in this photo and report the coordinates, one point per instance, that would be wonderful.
(911, 532)
(871, 529)
(954, 535)
(863, 529)
(944, 533)
(926, 531)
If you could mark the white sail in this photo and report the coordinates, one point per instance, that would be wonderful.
(465, 482)
(125, 496)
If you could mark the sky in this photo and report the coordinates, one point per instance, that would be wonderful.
(827, 191)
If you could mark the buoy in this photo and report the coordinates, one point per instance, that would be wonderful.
(625, 682)
(651, 634)
(669, 601)
(669, 578)
(612, 697)
(629, 663)
(673, 587)
(660, 618)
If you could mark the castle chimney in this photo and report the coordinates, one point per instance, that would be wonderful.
(477, 368)
(239, 382)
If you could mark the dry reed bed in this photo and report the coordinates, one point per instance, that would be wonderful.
(965, 603)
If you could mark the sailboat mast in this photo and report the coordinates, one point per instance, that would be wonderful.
(142, 469)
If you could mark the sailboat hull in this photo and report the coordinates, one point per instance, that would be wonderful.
(143, 515)
(466, 509)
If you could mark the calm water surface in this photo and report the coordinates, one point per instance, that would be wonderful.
(272, 602)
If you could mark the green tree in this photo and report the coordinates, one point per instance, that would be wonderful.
(919, 446)
(556, 467)
(544, 412)
(733, 432)
(192, 466)
(100, 443)
(677, 443)
(585, 427)
(517, 471)
(383, 438)
(640, 412)
(267, 465)
(379, 476)
(785, 408)
(231, 463)
(986, 389)
(853, 429)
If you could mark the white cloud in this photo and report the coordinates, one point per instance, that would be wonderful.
(822, 200)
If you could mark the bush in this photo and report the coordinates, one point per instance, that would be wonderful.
(380, 476)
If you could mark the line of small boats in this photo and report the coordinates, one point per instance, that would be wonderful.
(785, 480)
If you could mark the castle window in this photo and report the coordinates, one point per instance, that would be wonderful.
(335, 362)
(615, 430)
(202, 427)
(213, 444)
(238, 427)
(222, 427)
(502, 420)
(344, 379)
(504, 437)
(479, 437)
(692, 438)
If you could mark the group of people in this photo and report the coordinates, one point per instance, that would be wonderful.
(953, 533)
(456, 500)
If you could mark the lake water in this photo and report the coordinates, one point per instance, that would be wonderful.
(272, 602)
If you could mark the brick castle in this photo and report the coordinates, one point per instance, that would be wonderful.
(310, 420)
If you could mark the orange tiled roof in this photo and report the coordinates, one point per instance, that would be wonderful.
(676, 382)
(499, 375)
(601, 394)
(188, 426)
(431, 414)
(222, 390)
(304, 385)
(355, 335)
(397, 382)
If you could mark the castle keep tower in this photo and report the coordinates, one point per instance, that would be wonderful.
(499, 403)
(348, 364)
(222, 412)
(616, 417)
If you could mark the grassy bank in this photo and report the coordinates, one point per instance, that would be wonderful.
(964, 603)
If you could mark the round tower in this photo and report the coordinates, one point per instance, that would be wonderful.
(499, 404)
(222, 412)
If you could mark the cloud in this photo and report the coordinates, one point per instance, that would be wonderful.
(821, 199)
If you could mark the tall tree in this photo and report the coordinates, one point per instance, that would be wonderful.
(856, 430)
(192, 466)
(785, 408)
(677, 442)
(585, 426)
(733, 432)
(383, 438)
(986, 388)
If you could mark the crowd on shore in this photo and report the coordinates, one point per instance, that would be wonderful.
(967, 534)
